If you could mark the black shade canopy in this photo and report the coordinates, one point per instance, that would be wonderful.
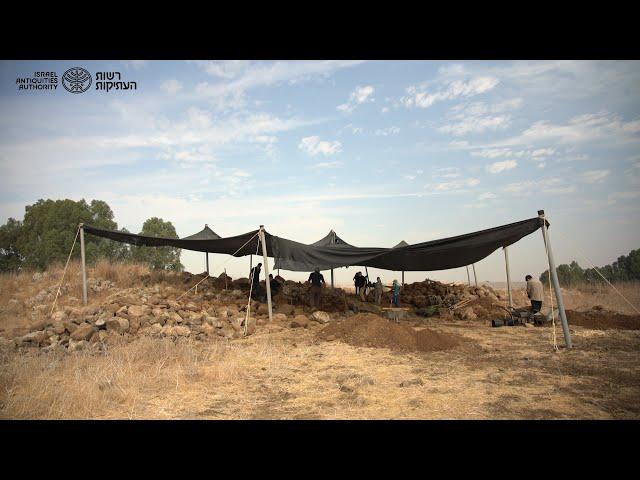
(330, 239)
(205, 234)
(440, 254)
(401, 244)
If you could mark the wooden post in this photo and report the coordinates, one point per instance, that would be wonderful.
(475, 279)
(266, 270)
(506, 261)
(554, 280)
(84, 268)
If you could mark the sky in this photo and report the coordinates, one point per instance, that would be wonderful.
(379, 151)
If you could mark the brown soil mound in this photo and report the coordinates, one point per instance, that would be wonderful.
(368, 330)
(599, 319)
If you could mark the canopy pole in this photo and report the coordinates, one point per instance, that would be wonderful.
(84, 267)
(332, 278)
(475, 278)
(266, 270)
(250, 264)
(506, 261)
(468, 276)
(207, 259)
(403, 278)
(554, 280)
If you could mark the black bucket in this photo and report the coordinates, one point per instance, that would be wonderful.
(497, 323)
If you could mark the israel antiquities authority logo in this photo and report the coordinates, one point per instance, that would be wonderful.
(76, 80)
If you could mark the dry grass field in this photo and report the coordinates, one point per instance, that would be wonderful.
(279, 372)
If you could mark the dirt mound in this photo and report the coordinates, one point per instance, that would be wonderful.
(368, 330)
(600, 319)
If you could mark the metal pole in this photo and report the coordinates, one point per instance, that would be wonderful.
(556, 283)
(506, 261)
(468, 276)
(266, 270)
(207, 257)
(403, 278)
(332, 278)
(250, 264)
(475, 279)
(84, 268)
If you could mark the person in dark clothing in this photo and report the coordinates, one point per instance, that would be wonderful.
(275, 285)
(317, 282)
(356, 282)
(255, 280)
(362, 283)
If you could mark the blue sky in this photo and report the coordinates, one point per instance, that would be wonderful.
(380, 151)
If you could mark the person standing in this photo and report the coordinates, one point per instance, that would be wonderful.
(317, 282)
(396, 293)
(378, 291)
(356, 282)
(255, 281)
(362, 283)
(535, 292)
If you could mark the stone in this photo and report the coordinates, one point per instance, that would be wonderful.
(285, 309)
(156, 329)
(137, 311)
(409, 383)
(279, 317)
(33, 338)
(83, 332)
(100, 322)
(58, 316)
(69, 326)
(75, 346)
(174, 305)
(262, 310)
(321, 317)
(39, 325)
(299, 321)
(117, 325)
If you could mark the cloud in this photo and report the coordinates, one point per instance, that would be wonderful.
(595, 176)
(419, 97)
(625, 195)
(387, 131)
(476, 125)
(448, 172)
(487, 196)
(325, 165)
(314, 146)
(172, 86)
(358, 96)
(409, 177)
(498, 167)
(457, 186)
(552, 185)
(238, 78)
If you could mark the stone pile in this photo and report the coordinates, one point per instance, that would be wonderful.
(155, 311)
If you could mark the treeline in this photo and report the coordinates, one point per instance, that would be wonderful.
(47, 232)
(626, 268)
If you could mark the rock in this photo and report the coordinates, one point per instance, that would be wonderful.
(75, 346)
(58, 316)
(33, 338)
(69, 326)
(117, 325)
(83, 332)
(285, 309)
(191, 307)
(299, 321)
(100, 322)
(137, 311)
(321, 317)
(174, 305)
(39, 325)
(156, 329)
(279, 317)
(262, 310)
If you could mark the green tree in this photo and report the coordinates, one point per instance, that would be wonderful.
(48, 230)
(10, 257)
(164, 258)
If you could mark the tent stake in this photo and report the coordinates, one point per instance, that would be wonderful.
(266, 269)
(554, 280)
(84, 268)
(475, 278)
(506, 261)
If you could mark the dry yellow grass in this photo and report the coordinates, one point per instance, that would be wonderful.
(285, 373)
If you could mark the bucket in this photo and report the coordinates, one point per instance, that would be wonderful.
(497, 323)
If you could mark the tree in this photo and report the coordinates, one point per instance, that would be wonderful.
(164, 258)
(48, 230)
(10, 257)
